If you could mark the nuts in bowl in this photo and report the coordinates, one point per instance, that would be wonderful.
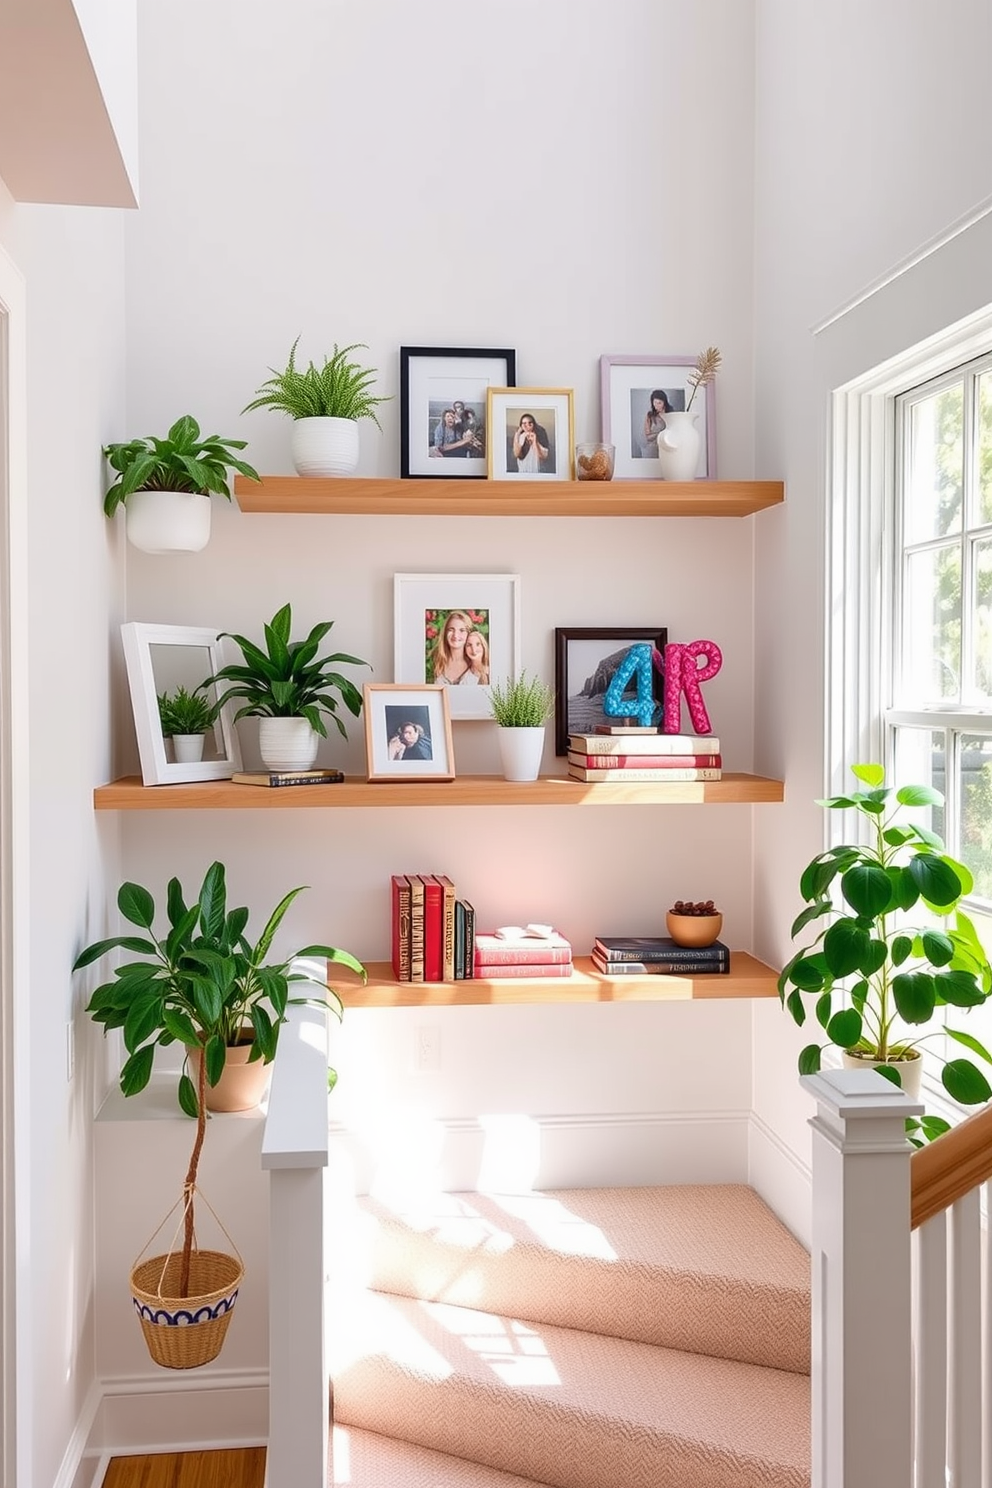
(694, 923)
(594, 461)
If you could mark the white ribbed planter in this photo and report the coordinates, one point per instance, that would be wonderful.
(187, 748)
(325, 446)
(520, 751)
(167, 521)
(287, 743)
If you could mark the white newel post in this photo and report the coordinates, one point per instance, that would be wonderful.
(862, 1282)
(294, 1150)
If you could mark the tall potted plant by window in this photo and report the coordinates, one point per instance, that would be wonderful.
(291, 689)
(325, 404)
(896, 972)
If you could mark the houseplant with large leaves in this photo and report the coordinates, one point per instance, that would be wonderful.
(892, 945)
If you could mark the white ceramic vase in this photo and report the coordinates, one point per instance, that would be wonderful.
(167, 521)
(678, 447)
(187, 748)
(287, 743)
(910, 1070)
(325, 446)
(520, 751)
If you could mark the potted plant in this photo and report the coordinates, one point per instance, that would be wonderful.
(521, 709)
(202, 984)
(185, 718)
(325, 404)
(165, 485)
(896, 973)
(289, 688)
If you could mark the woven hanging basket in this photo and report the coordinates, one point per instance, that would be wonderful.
(185, 1332)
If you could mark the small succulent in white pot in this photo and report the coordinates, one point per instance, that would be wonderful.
(521, 707)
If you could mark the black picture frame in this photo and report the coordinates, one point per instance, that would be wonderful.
(432, 377)
(580, 651)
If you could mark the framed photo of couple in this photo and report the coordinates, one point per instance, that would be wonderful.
(636, 392)
(457, 631)
(407, 732)
(531, 434)
(443, 417)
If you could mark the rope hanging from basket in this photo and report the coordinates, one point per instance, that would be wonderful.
(189, 1187)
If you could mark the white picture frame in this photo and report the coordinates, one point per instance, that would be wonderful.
(490, 603)
(407, 732)
(626, 386)
(159, 658)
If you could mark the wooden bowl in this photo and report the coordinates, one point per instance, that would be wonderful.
(694, 930)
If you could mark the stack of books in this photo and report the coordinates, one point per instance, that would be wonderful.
(657, 955)
(618, 753)
(433, 931)
(519, 951)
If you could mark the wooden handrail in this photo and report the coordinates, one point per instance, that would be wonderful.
(950, 1167)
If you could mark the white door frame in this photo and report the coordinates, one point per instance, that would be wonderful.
(14, 924)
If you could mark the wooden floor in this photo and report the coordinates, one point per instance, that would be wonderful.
(240, 1468)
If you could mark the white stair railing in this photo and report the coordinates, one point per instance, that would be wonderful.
(294, 1150)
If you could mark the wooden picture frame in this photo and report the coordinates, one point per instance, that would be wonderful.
(589, 655)
(435, 380)
(407, 732)
(627, 387)
(532, 434)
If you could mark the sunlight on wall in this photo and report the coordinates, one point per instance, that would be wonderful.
(511, 1156)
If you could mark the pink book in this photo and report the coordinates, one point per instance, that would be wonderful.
(502, 971)
(496, 950)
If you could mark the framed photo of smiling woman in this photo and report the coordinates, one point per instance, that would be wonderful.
(459, 631)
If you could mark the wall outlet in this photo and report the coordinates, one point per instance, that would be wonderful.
(427, 1048)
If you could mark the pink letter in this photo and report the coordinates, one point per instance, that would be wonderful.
(683, 675)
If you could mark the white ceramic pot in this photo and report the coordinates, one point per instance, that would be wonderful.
(678, 447)
(325, 446)
(167, 521)
(187, 748)
(520, 751)
(287, 743)
(910, 1070)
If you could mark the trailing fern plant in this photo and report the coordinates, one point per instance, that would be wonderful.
(524, 703)
(182, 461)
(338, 389)
(288, 679)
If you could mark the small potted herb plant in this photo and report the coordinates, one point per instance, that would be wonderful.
(291, 689)
(185, 718)
(895, 973)
(325, 404)
(521, 708)
(165, 485)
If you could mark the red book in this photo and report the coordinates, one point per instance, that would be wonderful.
(400, 890)
(646, 761)
(433, 928)
(495, 950)
(504, 970)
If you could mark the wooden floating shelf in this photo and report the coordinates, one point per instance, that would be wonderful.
(371, 496)
(128, 794)
(747, 978)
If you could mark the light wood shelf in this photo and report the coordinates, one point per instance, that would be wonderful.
(747, 977)
(371, 496)
(128, 794)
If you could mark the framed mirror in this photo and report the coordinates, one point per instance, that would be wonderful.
(161, 660)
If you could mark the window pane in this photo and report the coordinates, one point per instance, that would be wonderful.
(932, 625)
(975, 848)
(982, 636)
(936, 460)
(919, 760)
(985, 446)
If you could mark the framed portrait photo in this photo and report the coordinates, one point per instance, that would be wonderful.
(586, 658)
(531, 434)
(443, 421)
(636, 392)
(460, 632)
(407, 732)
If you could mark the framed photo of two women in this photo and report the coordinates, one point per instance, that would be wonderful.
(444, 431)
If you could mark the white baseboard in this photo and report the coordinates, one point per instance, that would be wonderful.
(78, 1467)
(781, 1178)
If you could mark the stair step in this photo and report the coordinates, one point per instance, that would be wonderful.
(562, 1407)
(363, 1459)
(698, 1268)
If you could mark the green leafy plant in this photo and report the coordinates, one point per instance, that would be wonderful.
(203, 984)
(524, 703)
(182, 461)
(338, 389)
(183, 712)
(288, 679)
(895, 974)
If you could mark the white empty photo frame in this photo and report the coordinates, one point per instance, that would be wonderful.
(160, 658)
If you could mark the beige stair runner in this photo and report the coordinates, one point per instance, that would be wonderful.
(607, 1338)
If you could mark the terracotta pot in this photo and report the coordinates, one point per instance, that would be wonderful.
(241, 1087)
(910, 1069)
(694, 930)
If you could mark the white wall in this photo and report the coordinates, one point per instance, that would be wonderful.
(854, 174)
(368, 158)
(72, 264)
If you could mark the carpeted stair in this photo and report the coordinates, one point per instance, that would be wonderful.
(585, 1338)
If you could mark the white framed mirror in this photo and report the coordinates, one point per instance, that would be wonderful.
(160, 659)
